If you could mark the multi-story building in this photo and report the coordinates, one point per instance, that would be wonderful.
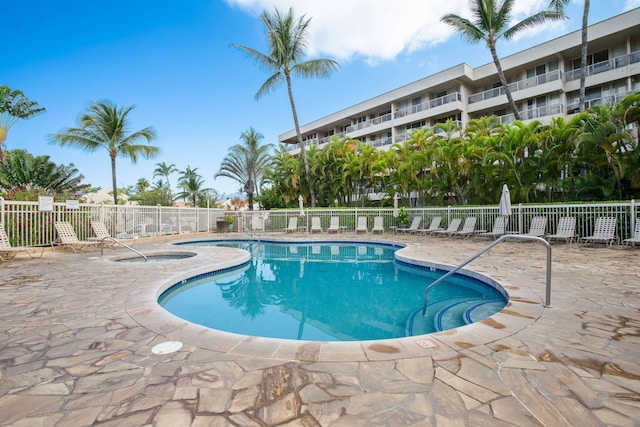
(544, 82)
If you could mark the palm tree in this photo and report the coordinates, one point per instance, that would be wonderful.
(13, 106)
(287, 40)
(558, 6)
(164, 170)
(105, 126)
(191, 184)
(490, 20)
(246, 162)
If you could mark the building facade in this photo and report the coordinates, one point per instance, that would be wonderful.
(544, 82)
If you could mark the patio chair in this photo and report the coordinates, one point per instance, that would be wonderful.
(102, 234)
(435, 225)
(537, 227)
(604, 231)
(378, 225)
(334, 225)
(636, 236)
(68, 238)
(453, 226)
(468, 228)
(362, 225)
(315, 224)
(415, 223)
(257, 224)
(9, 251)
(566, 230)
(499, 229)
(293, 225)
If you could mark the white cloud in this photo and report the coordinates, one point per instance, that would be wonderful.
(631, 4)
(379, 30)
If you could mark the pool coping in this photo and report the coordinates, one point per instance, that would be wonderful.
(524, 307)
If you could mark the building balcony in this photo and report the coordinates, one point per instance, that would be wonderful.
(574, 108)
(447, 99)
(534, 113)
(375, 121)
(516, 86)
(601, 67)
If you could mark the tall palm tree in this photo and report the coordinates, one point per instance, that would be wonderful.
(490, 24)
(287, 40)
(191, 184)
(558, 6)
(246, 162)
(105, 126)
(164, 170)
(13, 106)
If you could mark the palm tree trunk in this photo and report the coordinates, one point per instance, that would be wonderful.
(583, 55)
(113, 179)
(503, 81)
(303, 151)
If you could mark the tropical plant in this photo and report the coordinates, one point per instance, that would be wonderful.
(106, 126)
(164, 170)
(403, 217)
(558, 6)
(191, 184)
(489, 24)
(13, 106)
(245, 163)
(21, 171)
(287, 41)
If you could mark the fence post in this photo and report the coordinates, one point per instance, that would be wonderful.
(632, 229)
(2, 210)
(520, 219)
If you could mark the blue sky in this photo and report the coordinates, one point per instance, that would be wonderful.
(172, 60)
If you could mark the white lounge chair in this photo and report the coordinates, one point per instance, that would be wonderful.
(636, 236)
(361, 227)
(68, 238)
(566, 230)
(257, 223)
(499, 228)
(468, 228)
(9, 251)
(604, 231)
(378, 225)
(415, 223)
(102, 234)
(537, 227)
(315, 224)
(453, 226)
(334, 225)
(293, 225)
(434, 226)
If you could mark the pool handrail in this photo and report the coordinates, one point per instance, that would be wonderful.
(120, 243)
(485, 249)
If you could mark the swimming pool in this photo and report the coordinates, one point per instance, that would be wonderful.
(328, 291)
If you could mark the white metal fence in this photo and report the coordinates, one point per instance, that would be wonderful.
(277, 221)
(27, 225)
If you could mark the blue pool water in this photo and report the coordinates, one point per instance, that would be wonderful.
(328, 292)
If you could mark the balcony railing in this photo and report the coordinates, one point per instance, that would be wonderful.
(447, 99)
(603, 100)
(519, 85)
(533, 113)
(610, 64)
(367, 123)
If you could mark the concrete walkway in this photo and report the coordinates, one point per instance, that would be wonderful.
(77, 333)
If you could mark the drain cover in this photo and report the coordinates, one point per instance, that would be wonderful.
(167, 347)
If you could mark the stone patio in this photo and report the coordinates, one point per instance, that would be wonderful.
(77, 332)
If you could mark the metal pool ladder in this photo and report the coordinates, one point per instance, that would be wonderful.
(485, 249)
(120, 243)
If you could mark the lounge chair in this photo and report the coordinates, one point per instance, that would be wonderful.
(499, 229)
(415, 223)
(293, 225)
(537, 227)
(361, 227)
(68, 238)
(453, 226)
(102, 234)
(468, 228)
(315, 224)
(434, 226)
(636, 236)
(566, 230)
(334, 225)
(8, 252)
(604, 231)
(378, 225)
